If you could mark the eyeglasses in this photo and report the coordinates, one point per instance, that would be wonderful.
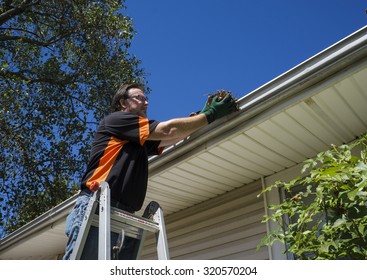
(139, 97)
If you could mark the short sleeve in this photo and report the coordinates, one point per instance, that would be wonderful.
(130, 127)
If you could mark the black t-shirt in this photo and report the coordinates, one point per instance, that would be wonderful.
(119, 156)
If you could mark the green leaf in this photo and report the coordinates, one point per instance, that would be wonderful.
(325, 248)
(352, 194)
(361, 229)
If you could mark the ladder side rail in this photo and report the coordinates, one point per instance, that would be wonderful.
(143, 234)
(104, 236)
(84, 229)
(161, 236)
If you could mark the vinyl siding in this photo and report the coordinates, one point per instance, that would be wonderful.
(227, 227)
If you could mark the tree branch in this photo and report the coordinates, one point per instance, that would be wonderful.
(25, 39)
(9, 14)
(8, 74)
(35, 42)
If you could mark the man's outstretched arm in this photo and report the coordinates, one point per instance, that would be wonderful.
(174, 130)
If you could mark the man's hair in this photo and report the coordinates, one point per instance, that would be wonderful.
(123, 93)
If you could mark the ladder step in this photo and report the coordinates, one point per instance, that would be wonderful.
(131, 219)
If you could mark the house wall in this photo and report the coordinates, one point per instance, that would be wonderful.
(226, 227)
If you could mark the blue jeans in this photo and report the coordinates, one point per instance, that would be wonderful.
(90, 251)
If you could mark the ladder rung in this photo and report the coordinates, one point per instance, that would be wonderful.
(116, 226)
(134, 220)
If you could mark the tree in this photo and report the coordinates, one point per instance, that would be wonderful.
(327, 218)
(61, 61)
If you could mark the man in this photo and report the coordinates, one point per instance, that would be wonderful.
(120, 150)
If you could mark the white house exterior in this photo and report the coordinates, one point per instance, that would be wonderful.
(208, 184)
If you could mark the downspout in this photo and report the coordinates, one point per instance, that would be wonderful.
(263, 186)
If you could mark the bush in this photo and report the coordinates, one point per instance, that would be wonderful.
(327, 219)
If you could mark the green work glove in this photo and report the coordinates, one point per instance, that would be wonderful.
(206, 107)
(218, 109)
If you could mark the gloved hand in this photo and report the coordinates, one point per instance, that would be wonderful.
(218, 109)
(205, 108)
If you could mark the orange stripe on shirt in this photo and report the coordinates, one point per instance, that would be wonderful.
(108, 159)
(143, 130)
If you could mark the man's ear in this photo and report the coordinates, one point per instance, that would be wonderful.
(122, 104)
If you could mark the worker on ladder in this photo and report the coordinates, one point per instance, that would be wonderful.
(123, 141)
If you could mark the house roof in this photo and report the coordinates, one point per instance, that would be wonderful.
(320, 102)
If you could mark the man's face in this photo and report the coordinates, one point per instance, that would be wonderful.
(136, 103)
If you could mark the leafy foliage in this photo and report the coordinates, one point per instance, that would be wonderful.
(60, 64)
(328, 218)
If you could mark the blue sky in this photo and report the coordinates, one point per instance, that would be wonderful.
(193, 48)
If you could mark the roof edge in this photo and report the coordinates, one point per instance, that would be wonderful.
(45, 220)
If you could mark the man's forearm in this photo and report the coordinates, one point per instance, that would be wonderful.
(177, 129)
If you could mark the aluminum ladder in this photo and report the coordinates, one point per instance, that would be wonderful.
(109, 219)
